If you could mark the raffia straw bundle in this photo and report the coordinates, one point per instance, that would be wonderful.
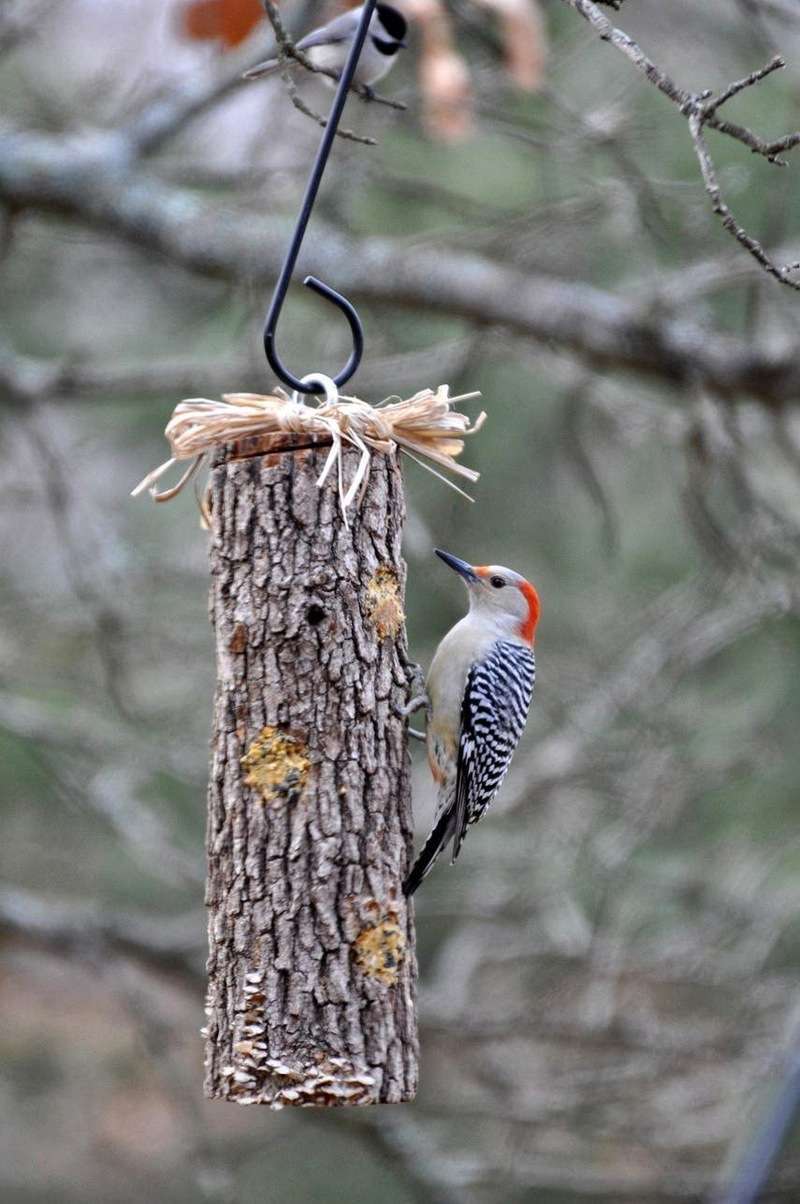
(425, 427)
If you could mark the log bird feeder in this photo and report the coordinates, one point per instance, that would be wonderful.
(311, 997)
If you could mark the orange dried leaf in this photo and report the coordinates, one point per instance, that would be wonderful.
(229, 21)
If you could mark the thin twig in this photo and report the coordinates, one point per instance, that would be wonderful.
(739, 85)
(724, 213)
(770, 150)
(701, 110)
(302, 107)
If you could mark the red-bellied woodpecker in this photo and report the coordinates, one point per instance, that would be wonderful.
(479, 691)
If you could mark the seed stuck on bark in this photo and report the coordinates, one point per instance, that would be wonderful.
(380, 949)
(384, 603)
(276, 765)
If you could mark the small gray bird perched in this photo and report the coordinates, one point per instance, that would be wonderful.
(328, 46)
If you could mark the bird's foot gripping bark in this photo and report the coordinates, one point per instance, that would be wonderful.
(415, 704)
(419, 698)
(417, 688)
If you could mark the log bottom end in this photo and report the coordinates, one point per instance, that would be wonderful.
(329, 1083)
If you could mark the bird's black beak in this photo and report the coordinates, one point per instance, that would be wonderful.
(402, 42)
(465, 570)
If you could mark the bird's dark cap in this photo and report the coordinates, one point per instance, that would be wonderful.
(393, 22)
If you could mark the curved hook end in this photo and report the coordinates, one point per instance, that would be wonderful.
(354, 322)
(356, 329)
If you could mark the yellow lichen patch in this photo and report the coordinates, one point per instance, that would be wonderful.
(384, 604)
(380, 949)
(276, 765)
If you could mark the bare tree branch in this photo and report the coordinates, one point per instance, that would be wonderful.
(307, 111)
(174, 943)
(24, 379)
(700, 110)
(95, 188)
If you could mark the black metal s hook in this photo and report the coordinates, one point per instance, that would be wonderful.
(318, 286)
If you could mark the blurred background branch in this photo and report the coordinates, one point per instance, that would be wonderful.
(611, 976)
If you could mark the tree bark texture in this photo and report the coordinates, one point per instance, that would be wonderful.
(312, 965)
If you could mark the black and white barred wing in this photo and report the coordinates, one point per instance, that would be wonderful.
(497, 698)
(496, 702)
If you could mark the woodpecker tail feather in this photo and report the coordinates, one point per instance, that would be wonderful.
(437, 841)
(265, 68)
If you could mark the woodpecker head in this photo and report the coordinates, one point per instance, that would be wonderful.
(499, 594)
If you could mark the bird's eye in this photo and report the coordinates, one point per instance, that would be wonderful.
(497, 582)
